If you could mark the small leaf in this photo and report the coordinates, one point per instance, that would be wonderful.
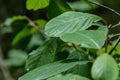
(70, 22)
(50, 70)
(37, 4)
(105, 68)
(68, 77)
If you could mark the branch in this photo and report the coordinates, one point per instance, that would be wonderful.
(114, 35)
(115, 45)
(33, 24)
(110, 9)
(116, 25)
(36, 27)
(107, 40)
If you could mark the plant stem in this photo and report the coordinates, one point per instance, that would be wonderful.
(116, 25)
(36, 27)
(115, 45)
(115, 35)
(33, 24)
(107, 40)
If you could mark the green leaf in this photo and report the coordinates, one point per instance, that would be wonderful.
(87, 38)
(37, 4)
(8, 21)
(41, 23)
(68, 77)
(22, 38)
(18, 25)
(115, 52)
(78, 55)
(16, 58)
(57, 7)
(105, 68)
(82, 5)
(35, 41)
(14, 18)
(70, 22)
(43, 55)
(62, 55)
(83, 70)
(49, 70)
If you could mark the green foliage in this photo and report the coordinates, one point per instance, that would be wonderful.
(43, 55)
(68, 77)
(79, 31)
(88, 39)
(70, 22)
(16, 58)
(60, 40)
(57, 7)
(37, 4)
(18, 18)
(49, 70)
(22, 37)
(82, 5)
(73, 29)
(105, 68)
(41, 23)
(83, 70)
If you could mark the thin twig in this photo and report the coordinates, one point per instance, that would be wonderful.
(36, 27)
(4, 69)
(106, 42)
(116, 25)
(117, 42)
(114, 35)
(33, 24)
(94, 2)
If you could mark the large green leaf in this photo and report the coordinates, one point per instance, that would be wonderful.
(57, 7)
(105, 68)
(87, 38)
(68, 77)
(70, 22)
(43, 55)
(49, 70)
(37, 4)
